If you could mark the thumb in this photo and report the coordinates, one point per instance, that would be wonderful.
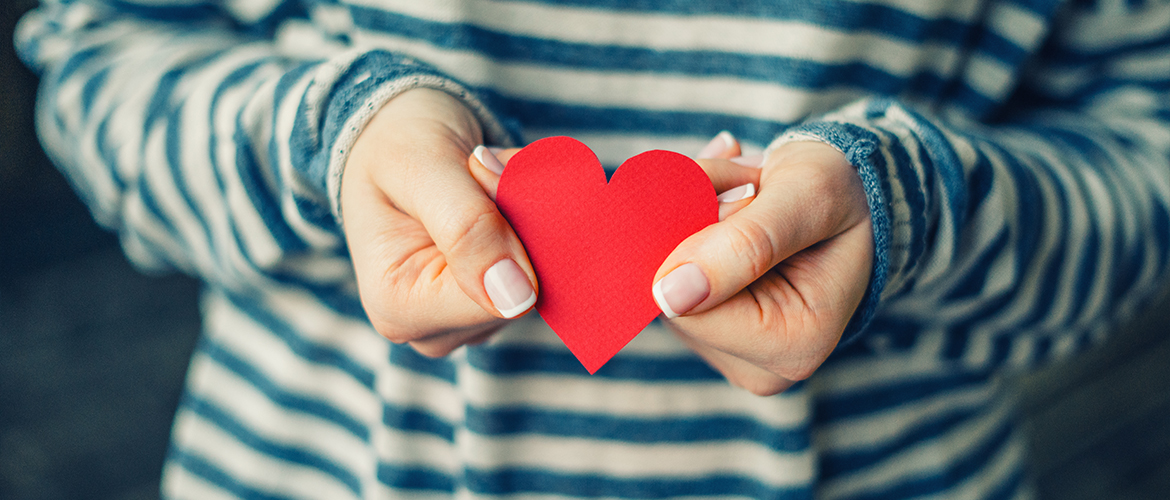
(807, 195)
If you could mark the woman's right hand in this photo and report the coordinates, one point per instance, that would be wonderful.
(437, 265)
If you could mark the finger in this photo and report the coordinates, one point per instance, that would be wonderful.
(735, 199)
(723, 145)
(426, 177)
(442, 345)
(788, 321)
(726, 174)
(810, 194)
(737, 371)
(487, 165)
(402, 278)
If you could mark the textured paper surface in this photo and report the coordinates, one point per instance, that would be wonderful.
(595, 245)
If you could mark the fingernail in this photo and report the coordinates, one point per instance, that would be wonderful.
(509, 288)
(722, 142)
(488, 160)
(753, 161)
(682, 289)
(738, 193)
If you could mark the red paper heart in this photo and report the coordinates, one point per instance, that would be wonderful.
(595, 245)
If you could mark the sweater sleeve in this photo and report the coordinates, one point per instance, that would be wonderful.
(211, 135)
(1012, 242)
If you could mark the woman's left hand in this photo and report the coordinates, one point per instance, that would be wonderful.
(765, 294)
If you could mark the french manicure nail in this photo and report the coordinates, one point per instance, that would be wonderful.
(681, 290)
(722, 142)
(738, 193)
(509, 288)
(488, 160)
(753, 161)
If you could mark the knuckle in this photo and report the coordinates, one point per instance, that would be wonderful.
(433, 349)
(467, 232)
(760, 385)
(799, 371)
(393, 332)
(750, 243)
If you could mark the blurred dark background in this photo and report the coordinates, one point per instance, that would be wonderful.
(93, 353)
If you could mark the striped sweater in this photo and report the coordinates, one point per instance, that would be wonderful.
(1015, 155)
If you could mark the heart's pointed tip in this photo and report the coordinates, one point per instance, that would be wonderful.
(592, 365)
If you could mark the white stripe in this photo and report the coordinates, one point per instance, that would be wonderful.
(205, 439)
(1018, 26)
(733, 34)
(650, 91)
(273, 358)
(786, 412)
(871, 430)
(399, 386)
(995, 472)
(1113, 23)
(259, 245)
(285, 120)
(270, 421)
(417, 450)
(922, 458)
(180, 484)
(620, 460)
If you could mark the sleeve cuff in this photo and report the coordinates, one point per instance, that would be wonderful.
(365, 82)
(861, 148)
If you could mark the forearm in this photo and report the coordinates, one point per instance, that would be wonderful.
(1017, 241)
(207, 149)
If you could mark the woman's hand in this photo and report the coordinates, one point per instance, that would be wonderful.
(437, 265)
(765, 294)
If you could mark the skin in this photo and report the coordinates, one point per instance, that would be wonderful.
(787, 268)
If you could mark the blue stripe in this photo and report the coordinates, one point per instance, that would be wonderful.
(108, 154)
(174, 142)
(522, 360)
(417, 420)
(816, 11)
(834, 464)
(791, 72)
(160, 105)
(310, 207)
(204, 469)
(239, 140)
(263, 196)
(309, 351)
(551, 115)
(970, 286)
(796, 73)
(835, 407)
(855, 17)
(914, 196)
(404, 356)
(951, 474)
(414, 478)
(291, 454)
(91, 87)
(192, 11)
(279, 395)
(76, 62)
(1046, 296)
(514, 481)
(151, 205)
(1114, 54)
(943, 161)
(605, 427)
